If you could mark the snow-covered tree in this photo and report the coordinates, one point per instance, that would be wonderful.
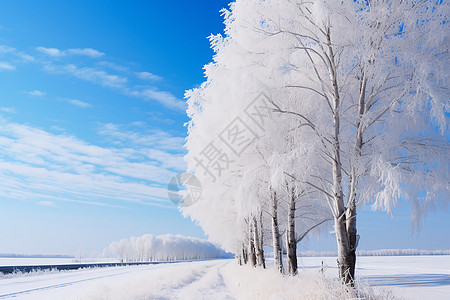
(376, 69)
(236, 200)
(357, 112)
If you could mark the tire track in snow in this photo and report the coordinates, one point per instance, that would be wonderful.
(58, 285)
(207, 285)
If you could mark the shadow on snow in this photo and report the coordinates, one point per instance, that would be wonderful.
(409, 280)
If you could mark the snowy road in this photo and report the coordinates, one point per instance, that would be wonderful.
(413, 277)
(164, 281)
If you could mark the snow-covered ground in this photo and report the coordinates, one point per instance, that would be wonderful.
(32, 261)
(162, 281)
(410, 277)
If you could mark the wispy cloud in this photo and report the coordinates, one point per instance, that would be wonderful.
(143, 138)
(17, 56)
(159, 117)
(79, 103)
(119, 83)
(46, 203)
(9, 110)
(86, 52)
(50, 51)
(5, 66)
(36, 93)
(104, 78)
(25, 57)
(155, 145)
(57, 128)
(163, 97)
(89, 74)
(6, 49)
(112, 66)
(55, 52)
(41, 166)
(148, 76)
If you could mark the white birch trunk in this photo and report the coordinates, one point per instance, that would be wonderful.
(338, 195)
(353, 182)
(276, 235)
(244, 254)
(257, 243)
(251, 245)
(261, 240)
(291, 240)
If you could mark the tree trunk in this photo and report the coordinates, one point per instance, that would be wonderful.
(261, 240)
(286, 256)
(343, 249)
(257, 243)
(251, 245)
(352, 232)
(338, 195)
(277, 254)
(353, 238)
(239, 257)
(244, 254)
(291, 240)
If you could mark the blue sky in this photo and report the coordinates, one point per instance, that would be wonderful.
(91, 125)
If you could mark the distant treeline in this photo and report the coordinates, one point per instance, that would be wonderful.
(10, 255)
(381, 252)
(167, 247)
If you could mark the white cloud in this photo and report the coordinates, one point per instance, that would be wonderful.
(155, 145)
(86, 52)
(76, 51)
(118, 82)
(163, 97)
(6, 49)
(94, 75)
(23, 57)
(41, 166)
(36, 93)
(46, 203)
(148, 76)
(113, 66)
(9, 110)
(145, 138)
(79, 103)
(89, 74)
(159, 117)
(57, 128)
(6, 66)
(50, 51)
(139, 124)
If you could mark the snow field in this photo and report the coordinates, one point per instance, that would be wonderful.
(380, 278)
(406, 277)
(32, 261)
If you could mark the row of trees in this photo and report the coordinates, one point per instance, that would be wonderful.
(312, 109)
(166, 247)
